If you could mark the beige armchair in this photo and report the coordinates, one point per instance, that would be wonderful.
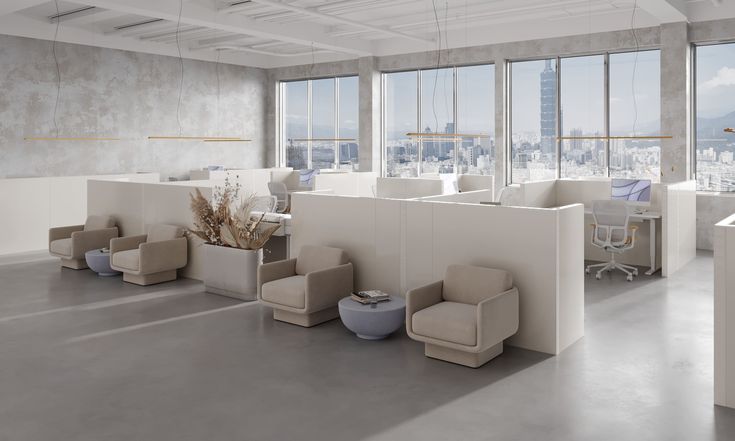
(150, 258)
(70, 243)
(305, 291)
(464, 318)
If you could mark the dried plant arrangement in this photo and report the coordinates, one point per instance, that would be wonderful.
(229, 222)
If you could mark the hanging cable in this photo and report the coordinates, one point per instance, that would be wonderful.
(58, 68)
(181, 63)
(438, 63)
(635, 66)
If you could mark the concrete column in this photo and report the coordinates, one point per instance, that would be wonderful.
(370, 155)
(500, 126)
(676, 160)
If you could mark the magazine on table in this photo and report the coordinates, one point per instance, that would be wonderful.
(371, 296)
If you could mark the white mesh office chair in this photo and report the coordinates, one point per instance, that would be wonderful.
(611, 233)
(280, 191)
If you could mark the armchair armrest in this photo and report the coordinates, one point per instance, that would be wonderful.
(421, 298)
(83, 241)
(269, 272)
(57, 233)
(324, 288)
(126, 243)
(497, 318)
(164, 255)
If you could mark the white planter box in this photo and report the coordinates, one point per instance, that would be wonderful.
(232, 272)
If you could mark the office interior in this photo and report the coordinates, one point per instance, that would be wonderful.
(367, 220)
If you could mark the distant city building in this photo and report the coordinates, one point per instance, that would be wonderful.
(548, 108)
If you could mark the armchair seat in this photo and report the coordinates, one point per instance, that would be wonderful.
(128, 259)
(305, 291)
(290, 291)
(449, 321)
(61, 246)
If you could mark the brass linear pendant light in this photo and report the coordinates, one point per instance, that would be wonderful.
(57, 17)
(178, 106)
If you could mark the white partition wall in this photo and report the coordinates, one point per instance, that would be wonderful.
(347, 184)
(475, 182)
(469, 197)
(408, 188)
(400, 244)
(36, 204)
(679, 225)
(725, 312)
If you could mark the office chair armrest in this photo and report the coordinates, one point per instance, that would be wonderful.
(126, 243)
(269, 272)
(631, 238)
(83, 241)
(57, 233)
(497, 318)
(324, 288)
(422, 297)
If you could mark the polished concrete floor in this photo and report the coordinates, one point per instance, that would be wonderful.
(88, 358)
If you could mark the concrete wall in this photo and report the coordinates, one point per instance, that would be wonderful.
(130, 95)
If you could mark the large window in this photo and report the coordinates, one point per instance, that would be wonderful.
(457, 100)
(320, 123)
(598, 96)
(715, 111)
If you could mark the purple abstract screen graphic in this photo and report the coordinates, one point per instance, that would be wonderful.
(634, 190)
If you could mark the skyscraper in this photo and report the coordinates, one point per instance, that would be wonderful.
(548, 108)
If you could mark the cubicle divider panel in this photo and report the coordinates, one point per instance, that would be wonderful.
(679, 225)
(408, 188)
(121, 200)
(724, 310)
(540, 194)
(570, 261)
(470, 197)
(475, 182)
(288, 177)
(347, 184)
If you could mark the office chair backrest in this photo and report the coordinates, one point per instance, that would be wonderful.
(279, 190)
(266, 204)
(611, 221)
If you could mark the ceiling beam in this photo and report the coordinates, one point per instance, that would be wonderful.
(666, 11)
(23, 26)
(11, 6)
(337, 19)
(202, 15)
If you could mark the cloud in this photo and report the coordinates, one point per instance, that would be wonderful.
(724, 77)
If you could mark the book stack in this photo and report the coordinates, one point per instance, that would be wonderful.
(367, 297)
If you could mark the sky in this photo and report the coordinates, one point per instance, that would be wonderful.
(715, 80)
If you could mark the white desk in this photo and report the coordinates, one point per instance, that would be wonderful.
(651, 217)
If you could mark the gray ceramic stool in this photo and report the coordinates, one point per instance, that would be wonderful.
(373, 323)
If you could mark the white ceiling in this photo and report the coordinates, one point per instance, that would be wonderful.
(272, 33)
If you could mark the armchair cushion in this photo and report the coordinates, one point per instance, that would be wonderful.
(289, 291)
(160, 232)
(314, 258)
(61, 247)
(129, 259)
(448, 321)
(98, 222)
(473, 284)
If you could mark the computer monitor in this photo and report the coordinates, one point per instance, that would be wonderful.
(634, 191)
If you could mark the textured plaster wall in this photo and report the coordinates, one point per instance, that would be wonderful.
(130, 95)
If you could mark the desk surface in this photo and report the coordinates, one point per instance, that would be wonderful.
(634, 215)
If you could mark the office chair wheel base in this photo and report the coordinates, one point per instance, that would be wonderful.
(630, 277)
(587, 270)
(598, 276)
(635, 272)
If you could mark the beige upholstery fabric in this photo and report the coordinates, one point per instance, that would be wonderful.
(314, 258)
(448, 321)
(61, 246)
(473, 284)
(159, 232)
(98, 222)
(129, 259)
(290, 291)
